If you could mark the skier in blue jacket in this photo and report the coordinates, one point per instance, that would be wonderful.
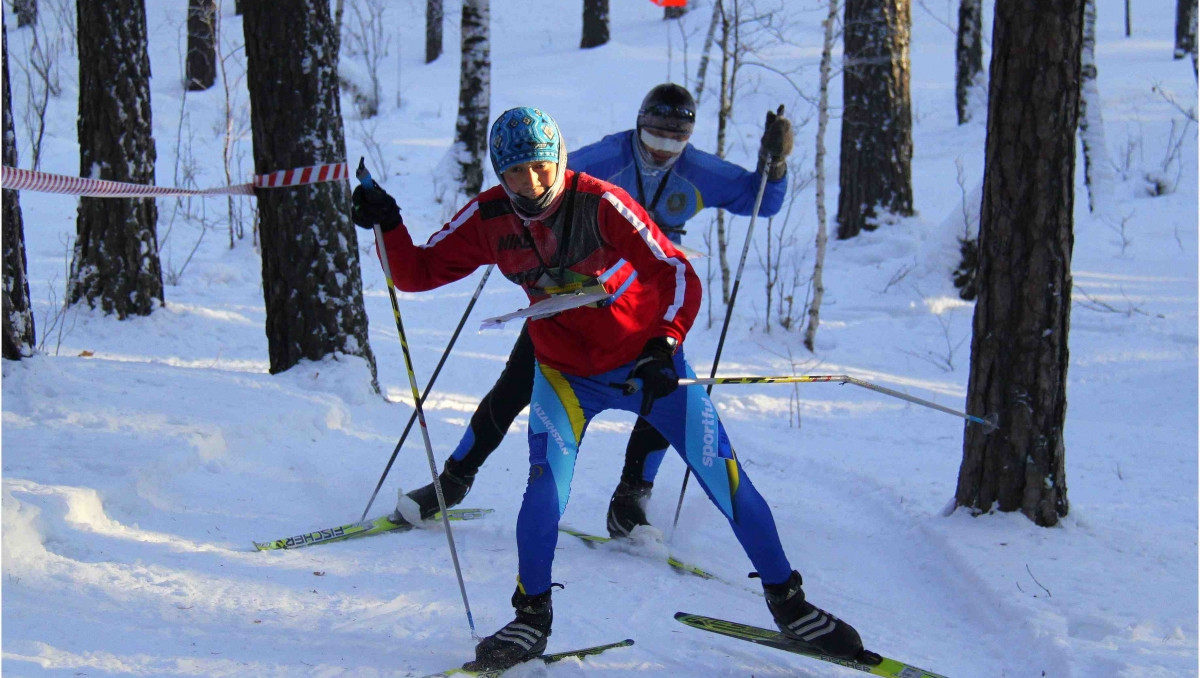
(673, 180)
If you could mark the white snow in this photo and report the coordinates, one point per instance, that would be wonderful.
(141, 458)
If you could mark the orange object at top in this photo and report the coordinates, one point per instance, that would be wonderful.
(670, 3)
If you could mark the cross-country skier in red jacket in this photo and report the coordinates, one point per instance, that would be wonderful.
(553, 231)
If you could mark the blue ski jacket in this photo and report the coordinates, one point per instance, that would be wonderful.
(672, 196)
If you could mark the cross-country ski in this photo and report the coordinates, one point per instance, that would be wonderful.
(362, 528)
(867, 661)
(468, 670)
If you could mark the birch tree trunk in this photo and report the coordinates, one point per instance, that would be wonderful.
(702, 70)
(474, 94)
(818, 281)
(724, 112)
(1097, 169)
(115, 264)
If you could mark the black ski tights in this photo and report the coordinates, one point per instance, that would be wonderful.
(510, 394)
(496, 412)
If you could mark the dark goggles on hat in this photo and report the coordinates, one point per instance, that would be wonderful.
(669, 111)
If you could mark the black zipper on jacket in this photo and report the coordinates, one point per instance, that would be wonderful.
(563, 240)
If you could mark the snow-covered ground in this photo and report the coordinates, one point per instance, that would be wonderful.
(141, 458)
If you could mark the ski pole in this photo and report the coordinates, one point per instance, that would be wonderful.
(436, 371)
(737, 281)
(364, 178)
(991, 421)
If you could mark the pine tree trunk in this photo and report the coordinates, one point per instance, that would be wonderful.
(312, 282)
(116, 265)
(595, 23)
(1022, 315)
(474, 94)
(876, 159)
(1185, 28)
(433, 30)
(19, 335)
(202, 44)
(968, 56)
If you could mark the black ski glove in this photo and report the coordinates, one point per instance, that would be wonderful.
(777, 143)
(656, 368)
(373, 205)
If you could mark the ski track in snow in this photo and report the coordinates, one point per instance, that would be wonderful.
(926, 580)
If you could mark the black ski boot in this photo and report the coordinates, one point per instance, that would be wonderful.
(456, 483)
(627, 508)
(520, 640)
(808, 625)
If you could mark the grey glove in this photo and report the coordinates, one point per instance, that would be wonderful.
(776, 143)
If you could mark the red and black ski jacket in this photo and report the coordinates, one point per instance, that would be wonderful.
(597, 236)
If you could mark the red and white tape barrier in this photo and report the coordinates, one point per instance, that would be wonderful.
(305, 175)
(43, 182)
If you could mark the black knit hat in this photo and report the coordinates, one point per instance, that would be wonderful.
(668, 107)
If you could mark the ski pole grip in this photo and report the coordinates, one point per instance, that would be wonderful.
(363, 176)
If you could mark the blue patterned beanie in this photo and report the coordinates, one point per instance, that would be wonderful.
(524, 135)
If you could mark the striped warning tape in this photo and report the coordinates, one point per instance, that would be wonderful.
(44, 182)
(305, 175)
